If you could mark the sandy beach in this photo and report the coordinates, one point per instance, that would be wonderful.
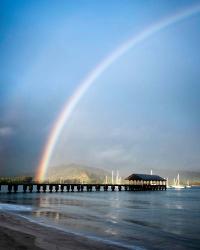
(21, 234)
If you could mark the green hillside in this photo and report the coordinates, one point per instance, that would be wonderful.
(74, 173)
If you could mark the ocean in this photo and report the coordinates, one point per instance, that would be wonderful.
(135, 220)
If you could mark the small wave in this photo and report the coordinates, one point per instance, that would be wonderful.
(12, 207)
(143, 223)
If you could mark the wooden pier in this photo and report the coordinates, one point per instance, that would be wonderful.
(14, 188)
(136, 182)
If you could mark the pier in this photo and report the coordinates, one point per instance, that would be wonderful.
(136, 182)
(14, 188)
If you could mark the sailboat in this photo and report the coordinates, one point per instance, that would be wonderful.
(177, 183)
(168, 186)
(188, 184)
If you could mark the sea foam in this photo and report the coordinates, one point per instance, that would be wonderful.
(12, 207)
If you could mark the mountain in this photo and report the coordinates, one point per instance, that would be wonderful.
(77, 174)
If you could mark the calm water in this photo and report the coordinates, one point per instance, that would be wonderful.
(148, 220)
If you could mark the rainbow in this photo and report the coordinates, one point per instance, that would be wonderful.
(84, 85)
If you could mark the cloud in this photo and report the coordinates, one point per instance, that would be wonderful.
(6, 131)
(115, 155)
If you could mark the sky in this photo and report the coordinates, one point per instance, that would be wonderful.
(141, 113)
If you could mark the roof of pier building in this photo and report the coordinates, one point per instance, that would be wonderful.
(144, 177)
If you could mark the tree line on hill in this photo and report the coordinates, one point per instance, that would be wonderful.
(16, 180)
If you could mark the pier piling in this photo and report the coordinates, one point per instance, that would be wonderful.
(9, 188)
(38, 188)
(24, 188)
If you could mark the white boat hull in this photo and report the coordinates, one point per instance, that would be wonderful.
(178, 187)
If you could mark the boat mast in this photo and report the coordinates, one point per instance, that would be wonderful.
(178, 181)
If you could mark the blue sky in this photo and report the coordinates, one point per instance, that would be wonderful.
(142, 113)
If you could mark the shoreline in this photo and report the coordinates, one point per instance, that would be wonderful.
(17, 232)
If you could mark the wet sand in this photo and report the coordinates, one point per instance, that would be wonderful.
(20, 234)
